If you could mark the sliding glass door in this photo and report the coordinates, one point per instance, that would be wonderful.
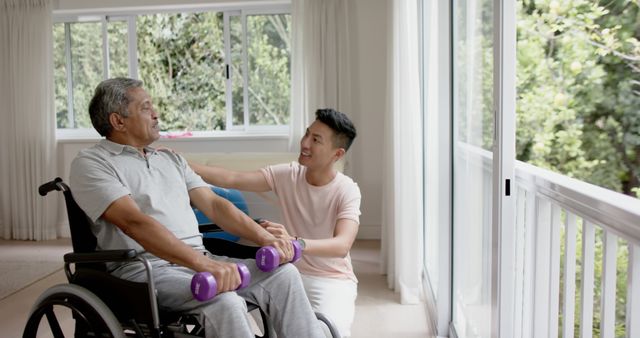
(483, 147)
(473, 144)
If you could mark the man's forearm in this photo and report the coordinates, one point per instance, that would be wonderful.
(238, 223)
(163, 244)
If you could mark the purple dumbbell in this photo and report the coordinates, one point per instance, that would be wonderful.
(267, 257)
(204, 286)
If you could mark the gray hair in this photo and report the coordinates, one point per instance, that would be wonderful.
(110, 97)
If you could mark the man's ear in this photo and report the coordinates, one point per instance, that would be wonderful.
(116, 121)
(339, 153)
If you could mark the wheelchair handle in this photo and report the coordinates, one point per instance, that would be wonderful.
(50, 186)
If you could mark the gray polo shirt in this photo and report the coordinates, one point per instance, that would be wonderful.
(158, 182)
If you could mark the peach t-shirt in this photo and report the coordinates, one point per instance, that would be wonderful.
(312, 212)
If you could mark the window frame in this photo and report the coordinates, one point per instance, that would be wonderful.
(105, 15)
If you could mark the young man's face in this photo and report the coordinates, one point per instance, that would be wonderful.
(142, 122)
(316, 147)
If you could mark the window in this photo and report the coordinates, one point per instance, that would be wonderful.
(206, 70)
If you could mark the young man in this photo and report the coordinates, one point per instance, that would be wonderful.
(321, 209)
(140, 198)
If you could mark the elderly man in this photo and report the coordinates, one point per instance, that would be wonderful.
(139, 197)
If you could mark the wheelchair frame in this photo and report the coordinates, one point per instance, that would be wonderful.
(80, 296)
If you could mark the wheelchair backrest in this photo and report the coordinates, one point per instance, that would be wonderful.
(82, 238)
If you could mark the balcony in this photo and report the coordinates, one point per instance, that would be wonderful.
(576, 255)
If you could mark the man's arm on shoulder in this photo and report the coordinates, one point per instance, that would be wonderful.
(159, 241)
(242, 180)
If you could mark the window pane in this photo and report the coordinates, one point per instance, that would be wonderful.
(86, 68)
(473, 168)
(60, 77)
(118, 46)
(181, 61)
(268, 43)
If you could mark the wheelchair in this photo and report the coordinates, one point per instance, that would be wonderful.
(102, 305)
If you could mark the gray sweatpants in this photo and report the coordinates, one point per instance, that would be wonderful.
(278, 293)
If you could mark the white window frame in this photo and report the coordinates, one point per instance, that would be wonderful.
(129, 15)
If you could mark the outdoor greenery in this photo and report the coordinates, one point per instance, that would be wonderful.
(181, 60)
(578, 87)
(578, 108)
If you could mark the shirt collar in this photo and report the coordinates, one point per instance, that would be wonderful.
(117, 148)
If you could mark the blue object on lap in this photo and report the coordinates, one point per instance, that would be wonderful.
(232, 195)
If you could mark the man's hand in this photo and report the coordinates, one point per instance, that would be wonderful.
(282, 241)
(226, 274)
(276, 229)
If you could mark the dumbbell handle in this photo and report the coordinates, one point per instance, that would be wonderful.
(267, 257)
(205, 287)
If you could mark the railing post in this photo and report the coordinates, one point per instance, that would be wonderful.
(542, 271)
(529, 266)
(588, 244)
(569, 276)
(520, 262)
(633, 292)
(608, 296)
(554, 267)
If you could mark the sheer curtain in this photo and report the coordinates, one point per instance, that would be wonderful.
(402, 175)
(320, 61)
(27, 131)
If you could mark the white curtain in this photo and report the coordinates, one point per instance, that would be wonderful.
(402, 175)
(320, 62)
(27, 130)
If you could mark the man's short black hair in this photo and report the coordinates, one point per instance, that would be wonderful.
(343, 129)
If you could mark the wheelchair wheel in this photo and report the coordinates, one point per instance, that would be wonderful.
(92, 317)
(329, 328)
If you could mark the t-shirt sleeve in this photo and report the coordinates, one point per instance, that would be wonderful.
(94, 185)
(350, 205)
(274, 174)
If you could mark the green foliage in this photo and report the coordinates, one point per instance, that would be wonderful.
(269, 69)
(578, 85)
(577, 111)
(181, 61)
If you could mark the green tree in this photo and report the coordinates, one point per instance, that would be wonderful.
(578, 90)
(578, 85)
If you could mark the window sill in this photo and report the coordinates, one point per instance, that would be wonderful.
(90, 135)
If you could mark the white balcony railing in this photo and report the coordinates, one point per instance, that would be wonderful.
(570, 235)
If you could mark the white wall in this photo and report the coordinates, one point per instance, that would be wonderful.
(368, 35)
(369, 79)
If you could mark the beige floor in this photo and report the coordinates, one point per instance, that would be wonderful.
(378, 313)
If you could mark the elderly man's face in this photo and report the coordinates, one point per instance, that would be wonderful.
(142, 123)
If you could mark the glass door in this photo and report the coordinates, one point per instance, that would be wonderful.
(473, 168)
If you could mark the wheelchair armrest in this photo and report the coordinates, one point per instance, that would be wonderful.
(101, 256)
(209, 227)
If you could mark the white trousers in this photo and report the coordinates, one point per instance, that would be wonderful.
(335, 298)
